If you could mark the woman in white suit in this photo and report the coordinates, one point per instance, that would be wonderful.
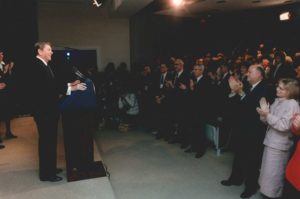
(278, 139)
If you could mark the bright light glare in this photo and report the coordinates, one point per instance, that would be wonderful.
(284, 16)
(177, 2)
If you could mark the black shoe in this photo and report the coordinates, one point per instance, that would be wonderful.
(10, 136)
(2, 146)
(58, 170)
(52, 179)
(199, 154)
(247, 194)
(189, 150)
(230, 182)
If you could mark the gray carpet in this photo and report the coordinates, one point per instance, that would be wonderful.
(144, 168)
(19, 170)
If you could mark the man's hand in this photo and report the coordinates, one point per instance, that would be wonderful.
(182, 86)
(75, 82)
(235, 85)
(2, 86)
(79, 87)
(192, 85)
(169, 84)
(157, 99)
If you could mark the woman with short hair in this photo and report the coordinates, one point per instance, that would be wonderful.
(278, 140)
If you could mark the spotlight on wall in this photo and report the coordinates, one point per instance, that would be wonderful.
(285, 16)
(177, 3)
(97, 3)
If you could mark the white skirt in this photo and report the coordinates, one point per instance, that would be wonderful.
(271, 179)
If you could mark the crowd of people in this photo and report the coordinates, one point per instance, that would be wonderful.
(7, 101)
(252, 97)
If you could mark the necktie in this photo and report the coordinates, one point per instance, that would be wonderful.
(277, 67)
(162, 79)
(176, 78)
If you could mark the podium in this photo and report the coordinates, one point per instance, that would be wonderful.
(79, 122)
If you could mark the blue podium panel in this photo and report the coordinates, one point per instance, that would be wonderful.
(80, 100)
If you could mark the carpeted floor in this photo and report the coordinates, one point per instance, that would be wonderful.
(19, 170)
(140, 167)
(144, 168)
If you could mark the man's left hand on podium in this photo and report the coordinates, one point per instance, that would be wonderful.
(78, 87)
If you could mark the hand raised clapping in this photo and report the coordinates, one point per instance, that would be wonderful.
(264, 108)
(235, 85)
(2, 86)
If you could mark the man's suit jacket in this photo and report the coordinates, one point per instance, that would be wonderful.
(157, 89)
(43, 88)
(200, 98)
(283, 71)
(4, 98)
(223, 91)
(252, 129)
(179, 97)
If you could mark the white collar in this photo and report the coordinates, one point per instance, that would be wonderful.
(46, 64)
(179, 73)
(198, 78)
(225, 75)
(2, 64)
(254, 85)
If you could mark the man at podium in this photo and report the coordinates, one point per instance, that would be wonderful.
(44, 96)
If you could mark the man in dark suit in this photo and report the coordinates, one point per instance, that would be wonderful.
(162, 102)
(6, 95)
(2, 94)
(180, 88)
(223, 108)
(280, 70)
(3, 97)
(249, 146)
(199, 96)
(44, 104)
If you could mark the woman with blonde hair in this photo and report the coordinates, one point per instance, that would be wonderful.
(278, 140)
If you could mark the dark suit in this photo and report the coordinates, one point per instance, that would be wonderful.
(223, 108)
(180, 105)
(282, 71)
(44, 104)
(163, 110)
(4, 97)
(249, 138)
(199, 99)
